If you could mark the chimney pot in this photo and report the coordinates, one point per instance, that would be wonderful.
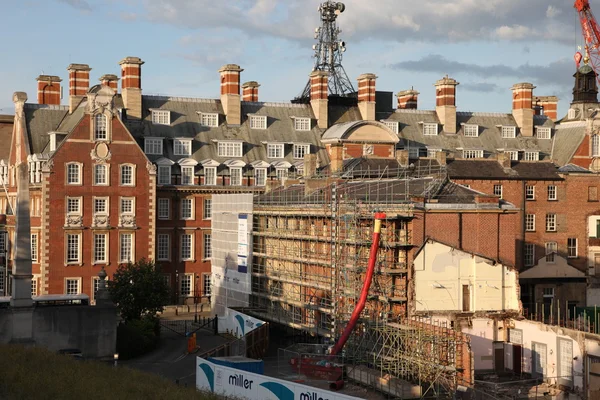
(49, 91)
(407, 99)
(250, 91)
(110, 80)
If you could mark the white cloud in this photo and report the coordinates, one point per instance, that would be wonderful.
(515, 32)
(552, 12)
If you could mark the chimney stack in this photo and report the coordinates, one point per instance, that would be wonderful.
(230, 93)
(319, 89)
(48, 89)
(131, 86)
(440, 157)
(504, 160)
(403, 158)
(250, 91)
(445, 103)
(110, 80)
(546, 105)
(336, 151)
(366, 96)
(79, 83)
(310, 165)
(522, 109)
(407, 99)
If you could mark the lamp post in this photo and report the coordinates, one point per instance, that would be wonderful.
(176, 291)
(196, 299)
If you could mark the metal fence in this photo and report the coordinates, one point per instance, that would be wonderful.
(309, 362)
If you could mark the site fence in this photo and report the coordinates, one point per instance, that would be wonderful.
(309, 362)
(584, 319)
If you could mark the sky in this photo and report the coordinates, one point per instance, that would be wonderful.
(486, 45)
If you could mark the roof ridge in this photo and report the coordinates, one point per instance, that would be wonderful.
(46, 106)
(275, 104)
(180, 99)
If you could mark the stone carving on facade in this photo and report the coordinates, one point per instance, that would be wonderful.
(127, 221)
(101, 101)
(74, 221)
(151, 168)
(100, 221)
(101, 153)
(47, 166)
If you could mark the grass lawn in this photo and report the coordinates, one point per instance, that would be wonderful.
(35, 373)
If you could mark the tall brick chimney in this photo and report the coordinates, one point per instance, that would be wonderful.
(110, 80)
(48, 89)
(79, 83)
(522, 109)
(319, 89)
(407, 99)
(310, 165)
(131, 86)
(546, 105)
(445, 103)
(366, 96)
(230, 93)
(250, 91)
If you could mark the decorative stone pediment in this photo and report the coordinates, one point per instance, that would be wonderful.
(100, 221)
(73, 221)
(127, 221)
(101, 100)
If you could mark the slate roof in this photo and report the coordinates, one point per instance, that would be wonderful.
(6, 128)
(572, 168)
(41, 119)
(567, 138)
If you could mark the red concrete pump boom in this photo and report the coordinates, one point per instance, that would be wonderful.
(591, 35)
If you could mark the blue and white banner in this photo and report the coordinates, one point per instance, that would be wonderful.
(237, 323)
(243, 242)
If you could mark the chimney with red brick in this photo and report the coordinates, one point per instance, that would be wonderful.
(131, 86)
(250, 91)
(230, 93)
(445, 103)
(79, 83)
(546, 105)
(319, 90)
(522, 109)
(48, 89)
(366, 96)
(110, 80)
(407, 99)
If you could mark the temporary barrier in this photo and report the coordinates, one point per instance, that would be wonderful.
(237, 323)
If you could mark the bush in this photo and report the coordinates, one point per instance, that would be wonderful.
(137, 337)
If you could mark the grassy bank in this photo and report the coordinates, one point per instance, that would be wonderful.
(34, 373)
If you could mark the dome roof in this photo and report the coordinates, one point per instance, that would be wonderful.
(585, 69)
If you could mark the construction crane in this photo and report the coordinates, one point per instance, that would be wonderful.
(591, 36)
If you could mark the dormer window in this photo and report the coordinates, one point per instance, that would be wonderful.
(161, 117)
(301, 124)
(209, 119)
(100, 127)
(543, 132)
(471, 130)
(508, 132)
(182, 147)
(472, 153)
(258, 122)
(275, 150)
(392, 126)
(153, 146)
(532, 156)
(300, 150)
(571, 114)
(430, 129)
(235, 176)
(513, 154)
(431, 153)
(230, 149)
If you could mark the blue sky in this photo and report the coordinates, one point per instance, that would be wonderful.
(486, 45)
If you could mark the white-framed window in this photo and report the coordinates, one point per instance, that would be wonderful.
(471, 130)
(34, 291)
(416, 152)
(543, 132)
(595, 145)
(186, 285)
(127, 175)
(532, 156)
(206, 286)
(95, 287)
(187, 175)
(430, 129)
(392, 126)
(164, 174)
(550, 222)
(182, 147)
(552, 192)
(73, 205)
(100, 175)
(127, 206)
(229, 149)
(100, 246)
(472, 153)
(530, 222)
(34, 247)
(163, 247)
(186, 247)
(210, 176)
(302, 124)
(282, 173)
(498, 190)
(572, 247)
(100, 205)
(73, 248)
(153, 146)
(431, 153)
(209, 119)
(571, 113)
(187, 208)
(100, 124)
(548, 292)
(300, 150)
(207, 246)
(509, 132)
(73, 174)
(164, 208)
(235, 176)
(529, 192)
(161, 117)
(513, 154)
(126, 247)
(258, 122)
(275, 150)
(207, 209)
(529, 254)
(73, 286)
(260, 176)
(551, 248)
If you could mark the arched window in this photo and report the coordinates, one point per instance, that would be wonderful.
(100, 127)
(595, 146)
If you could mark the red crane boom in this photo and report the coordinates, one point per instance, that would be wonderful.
(591, 35)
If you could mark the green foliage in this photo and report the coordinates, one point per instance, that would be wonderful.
(137, 337)
(139, 290)
(36, 373)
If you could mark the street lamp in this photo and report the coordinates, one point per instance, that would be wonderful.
(176, 291)
(116, 358)
(196, 299)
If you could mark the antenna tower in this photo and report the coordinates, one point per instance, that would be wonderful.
(328, 53)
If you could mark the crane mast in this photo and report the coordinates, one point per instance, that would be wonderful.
(591, 36)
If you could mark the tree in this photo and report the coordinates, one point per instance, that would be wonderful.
(139, 290)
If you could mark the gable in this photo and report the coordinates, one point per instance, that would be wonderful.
(359, 131)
